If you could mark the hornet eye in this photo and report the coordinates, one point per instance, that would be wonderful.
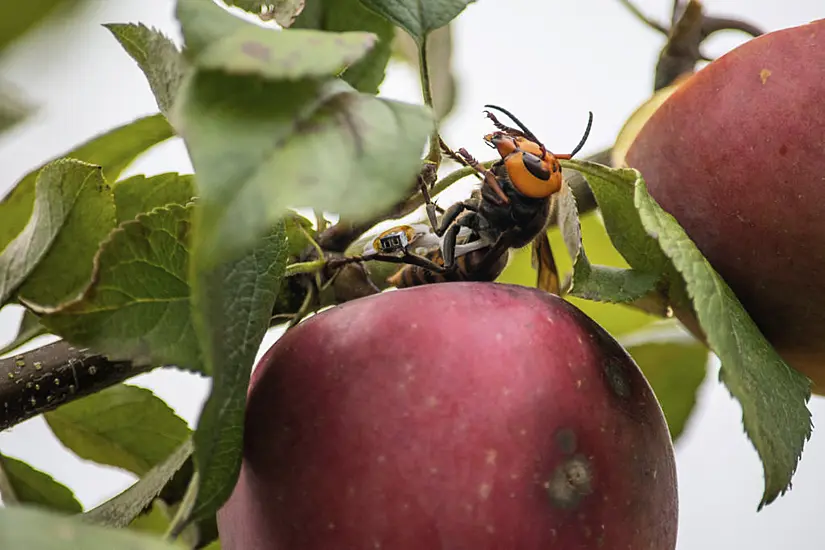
(536, 166)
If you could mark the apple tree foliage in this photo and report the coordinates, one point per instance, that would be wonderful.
(185, 271)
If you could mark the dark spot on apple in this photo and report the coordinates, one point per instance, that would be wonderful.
(256, 50)
(571, 481)
(783, 150)
(617, 378)
(566, 440)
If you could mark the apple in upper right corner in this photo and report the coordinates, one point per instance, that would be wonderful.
(736, 155)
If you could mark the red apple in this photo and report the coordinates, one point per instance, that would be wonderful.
(737, 155)
(452, 416)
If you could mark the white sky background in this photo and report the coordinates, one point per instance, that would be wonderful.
(547, 60)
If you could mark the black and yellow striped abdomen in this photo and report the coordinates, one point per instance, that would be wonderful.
(466, 270)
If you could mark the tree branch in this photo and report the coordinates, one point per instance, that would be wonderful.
(40, 380)
(689, 28)
(716, 24)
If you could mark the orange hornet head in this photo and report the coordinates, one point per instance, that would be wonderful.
(534, 171)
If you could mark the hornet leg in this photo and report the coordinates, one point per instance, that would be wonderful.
(489, 178)
(503, 127)
(450, 215)
(472, 221)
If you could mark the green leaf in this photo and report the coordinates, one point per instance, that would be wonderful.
(675, 369)
(283, 12)
(13, 110)
(350, 15)
(158, 58)
(289, 55)
(114, 151)
(232, 305)
(17, 18)
(218, 40)
(155, 521)
(31, 486)
(616, 318)
(29, 329)
(596, 282)
(141, 195)
(418, 17)
(297, 239)
(137, 308)
(369, 149)
(51, 259)
(31, 529)
(613, 189)
(203, 23)
(158, 519)
(611, 284)
(773, 396)
(569, 224)
(121, 510)
(123, 426)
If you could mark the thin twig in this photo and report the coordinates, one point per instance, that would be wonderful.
(643, 18)
(689, 28)
(716, 24)
(304, 267)
(676, 12)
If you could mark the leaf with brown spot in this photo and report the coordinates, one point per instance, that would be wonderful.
(217, 40)
(322, 146)
(366, 74)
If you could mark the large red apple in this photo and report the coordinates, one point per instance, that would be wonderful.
(455, 416)
(737, 155)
